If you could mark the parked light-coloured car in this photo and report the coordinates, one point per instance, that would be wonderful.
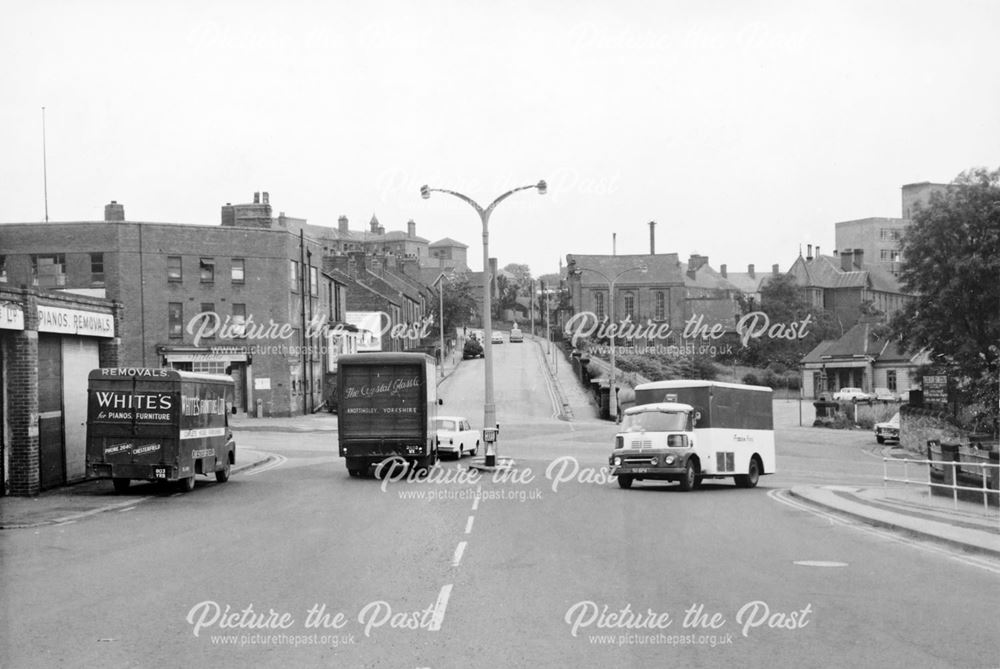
(887, 431)
(852, 395)
(885, 395)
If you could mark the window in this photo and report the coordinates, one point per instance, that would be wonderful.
(175, 319)
(890, 379)
(891, 255)
(49, 270)
(313, 280)
(209, 366)
(207, 270)
(890, 234)
(239, 270)
(630, 305)
(599, 306)
(174, 268)
(97, 269)
(239, 319)
(660, 311)
(293, 275)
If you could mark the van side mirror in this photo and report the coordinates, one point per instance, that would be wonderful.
(440, 401)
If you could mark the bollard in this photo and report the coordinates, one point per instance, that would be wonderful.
(260, 408)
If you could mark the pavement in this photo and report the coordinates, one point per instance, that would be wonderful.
(906, 509)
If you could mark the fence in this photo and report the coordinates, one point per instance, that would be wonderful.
(970, 479)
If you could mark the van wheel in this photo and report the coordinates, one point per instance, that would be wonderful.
(624, 481)
(186, 485)
(222, 475)
(690, 480)
(749, 480)
(121, 485)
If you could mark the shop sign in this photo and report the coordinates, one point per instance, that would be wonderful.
(76, 322)
(11, 317)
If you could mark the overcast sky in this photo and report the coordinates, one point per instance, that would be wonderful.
(745, 129)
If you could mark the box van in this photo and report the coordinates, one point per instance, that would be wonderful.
(387, 404)
(159, 425)
(687, 431)
(516, 335)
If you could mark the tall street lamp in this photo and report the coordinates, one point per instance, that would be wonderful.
(612, 397)
(489, 407)
(439, 282)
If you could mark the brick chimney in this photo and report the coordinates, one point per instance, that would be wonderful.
(652, 238)
(256, 198)
(411, 229)
(847, 260)
(751, 272)
(774, 270)
(859, 256)
(722, 270)
(114, 212)
(696, 262)
(265, 198)
(342, 224)
(809, 251)
(817, 251)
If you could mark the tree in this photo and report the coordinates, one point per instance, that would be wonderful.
(782, 300)
(951, 263)
(459, 304)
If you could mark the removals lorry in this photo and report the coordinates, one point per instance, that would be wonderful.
(688, 431)
(386, 405)
(159, 425)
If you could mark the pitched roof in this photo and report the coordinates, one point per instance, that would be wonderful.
(825, 272)
(662, 268)
(707, 278)
(862, 340)
(449, 242)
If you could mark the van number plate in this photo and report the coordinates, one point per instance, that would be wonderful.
(160, 473)
(640, 470)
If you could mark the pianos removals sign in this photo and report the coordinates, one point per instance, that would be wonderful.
(75, 322)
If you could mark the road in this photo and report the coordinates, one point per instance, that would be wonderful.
(297, 564)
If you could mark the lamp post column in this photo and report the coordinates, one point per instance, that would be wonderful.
(612, 399)
(441, 324)
(489, 406)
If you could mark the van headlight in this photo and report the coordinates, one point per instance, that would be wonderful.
(618, 462)
(669, 459)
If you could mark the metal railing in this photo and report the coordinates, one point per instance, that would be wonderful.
(951, 482)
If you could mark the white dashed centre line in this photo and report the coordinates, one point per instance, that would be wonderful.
(468, 524)
(456, 559)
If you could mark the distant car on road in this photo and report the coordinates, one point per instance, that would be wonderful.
(852, 395)
(885, 395)
(472, 349)
(516, 335)
(497, 338)
(888, 431)
(456, 436)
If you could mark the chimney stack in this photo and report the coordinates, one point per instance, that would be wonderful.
(859, 255)
(614, 243)
(809, 251)
(256, 198)
(411, 228)
(750, 271)
(652, 238)
(265, 196)
(817, 251)
(114, 212)
(847, 260)
(722, 270)
(342, 224)
(774, 270)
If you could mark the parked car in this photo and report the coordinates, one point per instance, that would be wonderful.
(885, 395)
(516, 335)
(888, 431)
(456, 436)
(852, 395)
(497, 338)
(472, 349)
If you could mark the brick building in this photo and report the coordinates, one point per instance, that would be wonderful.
(261, 278)
(49, 341)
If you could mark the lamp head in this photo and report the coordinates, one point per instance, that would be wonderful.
(542, 187)
(425, 192)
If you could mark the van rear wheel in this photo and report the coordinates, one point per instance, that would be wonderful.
(186, 485)
(222, 475)
(750, 479)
